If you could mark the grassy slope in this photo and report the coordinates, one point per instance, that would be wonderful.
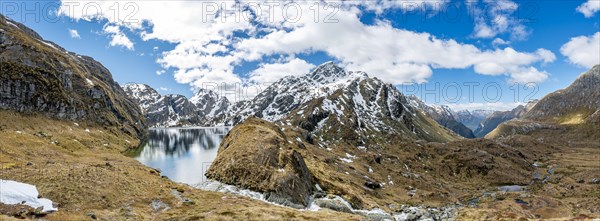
(85, 171)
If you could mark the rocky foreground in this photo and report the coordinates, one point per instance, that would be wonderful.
(474, 177)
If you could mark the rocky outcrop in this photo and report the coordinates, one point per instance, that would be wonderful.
(40, 77)
(257, 155)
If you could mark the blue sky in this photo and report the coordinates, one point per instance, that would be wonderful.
(179, 47)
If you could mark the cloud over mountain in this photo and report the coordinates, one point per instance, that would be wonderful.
(213, 39)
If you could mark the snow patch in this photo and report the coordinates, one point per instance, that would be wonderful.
(10, 23)
(89, 82)
(14, 192)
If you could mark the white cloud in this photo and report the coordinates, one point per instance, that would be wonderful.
(380, 6)
(528, 75)
(74, 34)
(546, 55)
(118, 38)
(272, 72)
(583, 50)
(160, 72)
(589, 8)
(207, 51)
(498, 42)
(164, 89)
(495, 17)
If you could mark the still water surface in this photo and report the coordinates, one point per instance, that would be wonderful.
(182, 154)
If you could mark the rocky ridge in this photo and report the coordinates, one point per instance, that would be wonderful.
(38, 76)
(571, 112)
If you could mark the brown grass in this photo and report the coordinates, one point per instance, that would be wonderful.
(85, 172)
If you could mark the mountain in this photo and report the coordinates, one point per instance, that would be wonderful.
(473, 118)
(443, 115)
(354, 103)
(205, 108)
(578, 102)
(569, 115)
(493, 120)
(162, 111)
(38, 76)
(210, 106)
(285, 95)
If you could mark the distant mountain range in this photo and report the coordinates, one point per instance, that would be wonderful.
(208, 108)
(496, 118)
(472, 118)
(176, 110)
(444, 116)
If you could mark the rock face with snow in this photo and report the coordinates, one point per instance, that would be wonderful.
(472, 118)
(285, 95)
(330, 95)
(40, 77)
(365, 111)
(206, 108)
(210, 106)
(162, 111)
(443, 115)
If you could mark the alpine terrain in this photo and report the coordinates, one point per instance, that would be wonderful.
(65, 125)
(323, 142)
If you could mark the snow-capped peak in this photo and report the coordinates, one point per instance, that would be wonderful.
(283, 96)
(142, 93)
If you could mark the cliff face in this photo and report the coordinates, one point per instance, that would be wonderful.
(41, 77)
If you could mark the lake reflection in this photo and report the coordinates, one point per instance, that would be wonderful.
(182, 154)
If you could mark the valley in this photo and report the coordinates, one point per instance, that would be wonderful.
(330, 144)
